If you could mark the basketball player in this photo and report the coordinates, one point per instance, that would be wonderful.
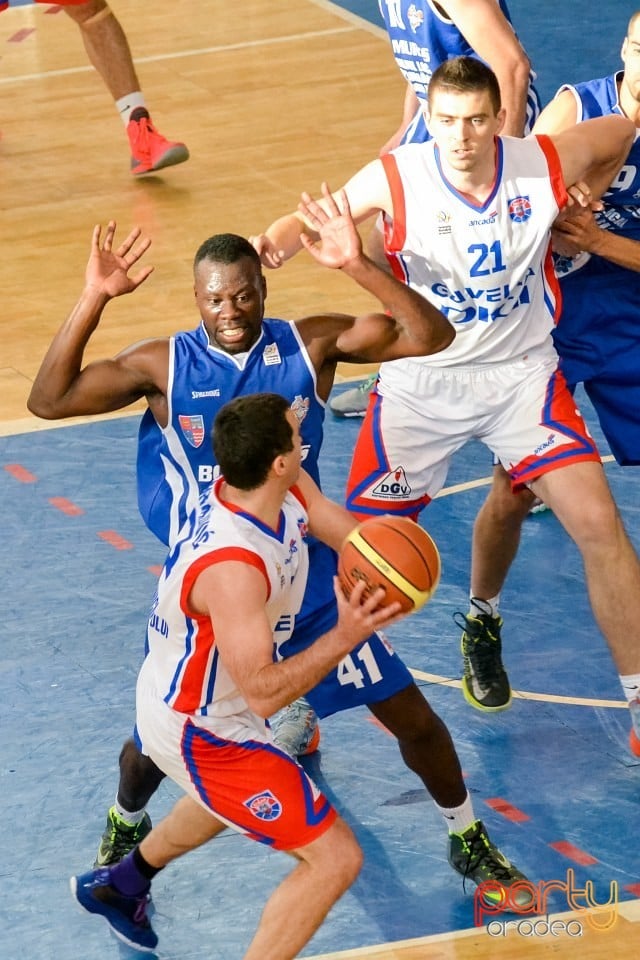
(108, 50)
(186, 379)
(597, 336)
(468, 219)
(423, 35)
(227, 596)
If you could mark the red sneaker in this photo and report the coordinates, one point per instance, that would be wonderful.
(149, 149)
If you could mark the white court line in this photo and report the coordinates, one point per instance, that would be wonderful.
(525, 694)
(628, 909)
(196, 52)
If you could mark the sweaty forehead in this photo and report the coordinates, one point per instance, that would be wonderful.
(216, 275)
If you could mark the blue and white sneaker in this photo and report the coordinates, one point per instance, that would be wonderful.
(127, 916)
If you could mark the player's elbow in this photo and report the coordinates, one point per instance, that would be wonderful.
(39, 406)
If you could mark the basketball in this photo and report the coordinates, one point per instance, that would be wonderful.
(394, 553)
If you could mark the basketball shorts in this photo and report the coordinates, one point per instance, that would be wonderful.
(370, 673)
(598, 339)
(419, 416)
(232, 768)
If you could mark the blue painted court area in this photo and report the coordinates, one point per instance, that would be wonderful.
(75, 608)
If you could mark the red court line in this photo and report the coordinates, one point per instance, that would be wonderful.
(156, 569)
(21, 35)
(507, 810)
(110, 536)
(633, 888)
(573, 853)
(66, 506)
(20, 473)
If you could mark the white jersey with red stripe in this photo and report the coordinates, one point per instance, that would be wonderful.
(183, 663)
(486, 266)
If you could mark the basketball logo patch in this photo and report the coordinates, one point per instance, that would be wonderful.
(519, 209)
(264, 805)
(193, 428)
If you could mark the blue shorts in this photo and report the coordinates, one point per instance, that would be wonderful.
(598, 339)
(370, 673)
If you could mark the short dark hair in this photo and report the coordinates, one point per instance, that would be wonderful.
(463, 75)
(226, 248)
(248, 434)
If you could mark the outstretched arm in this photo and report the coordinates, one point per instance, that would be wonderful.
(61, 387)
(368, 192)
(412, 325)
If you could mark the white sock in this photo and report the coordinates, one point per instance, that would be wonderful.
(478, 606)
(458, 819)
(132, 101)
(132, 817)
(631, 686)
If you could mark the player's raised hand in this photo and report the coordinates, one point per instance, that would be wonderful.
(269, 254)
(339, 241)
(108, 270)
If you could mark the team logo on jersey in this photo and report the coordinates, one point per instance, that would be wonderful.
(393, 487)
(303, 527)
(271, 354)
(416, 17)
(519, 209)
(193, 428)
(300, 407)
(264, 806)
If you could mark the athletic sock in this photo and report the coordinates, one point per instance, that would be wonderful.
(631, 686)
(458, 819)
(131, 817)
(132, 875)
(125, 105)
(478, 606)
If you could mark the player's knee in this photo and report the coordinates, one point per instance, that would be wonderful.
(84, 14)
(343, 856)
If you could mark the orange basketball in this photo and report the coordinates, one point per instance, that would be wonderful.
(394, 553)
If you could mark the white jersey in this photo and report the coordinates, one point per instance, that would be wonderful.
(183, 663)
(487, 267)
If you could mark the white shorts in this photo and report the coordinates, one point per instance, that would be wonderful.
(419, 416)
(232, 767)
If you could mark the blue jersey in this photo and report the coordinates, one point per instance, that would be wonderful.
(422, 37)
(176, 463)
(597, 334)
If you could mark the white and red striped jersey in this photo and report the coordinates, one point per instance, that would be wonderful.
(486, 266)
(182, 657)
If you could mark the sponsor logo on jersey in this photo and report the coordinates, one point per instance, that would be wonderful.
(197, 394)
(264, 806)
(545, 445)
(193, 428)
(271, 355)
(519, 209)
(416, 17)
(300, 407)
(393, 487)
(490, 218)
(443, 219)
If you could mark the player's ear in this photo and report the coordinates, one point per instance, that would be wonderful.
(501, 117)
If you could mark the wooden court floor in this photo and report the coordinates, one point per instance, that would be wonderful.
(271, 99)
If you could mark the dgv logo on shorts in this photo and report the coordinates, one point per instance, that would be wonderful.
(264, 806)
(393, 486)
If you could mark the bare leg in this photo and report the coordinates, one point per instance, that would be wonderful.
(496, 535)
(425, 744)
(106, 45)
(327, 867)
(139, 778)
(580, 498)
